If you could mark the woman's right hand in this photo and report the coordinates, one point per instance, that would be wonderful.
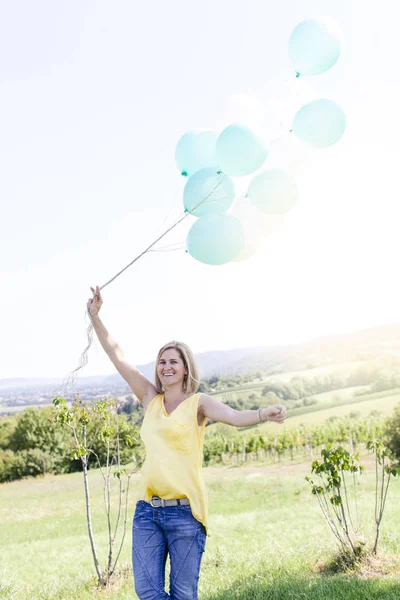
(94, 304)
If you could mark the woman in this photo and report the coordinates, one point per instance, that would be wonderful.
(171, 513)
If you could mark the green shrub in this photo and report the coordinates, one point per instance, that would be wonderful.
(310, 401)
(11, 466)
(26, 463)
(7, 428)
(392, 433)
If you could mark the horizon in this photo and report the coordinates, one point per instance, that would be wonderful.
(244, 348)
(95, 99)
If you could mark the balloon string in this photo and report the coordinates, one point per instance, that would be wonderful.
(177, 222)
(83, 361)
(168, 247)
(180, 219)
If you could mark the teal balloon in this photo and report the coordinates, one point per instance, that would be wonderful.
(216, 239)
(273, 191)
(314, 46)
(239, 151)
(320, 123)
(195, 150)
(208, 191)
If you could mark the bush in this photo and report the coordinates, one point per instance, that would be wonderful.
(33, 444)
(27, 463)
(392, 433)
(11, 466)
(7, 428)
(355, 414)
(35, 429)
(37, 462)
(310, 401)
(214, 447)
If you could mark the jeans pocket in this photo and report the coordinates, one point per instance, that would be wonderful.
(185, 511)
(202, 538)
(142, 511)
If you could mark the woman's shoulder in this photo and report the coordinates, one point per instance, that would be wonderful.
(151, 400)
(203, 398)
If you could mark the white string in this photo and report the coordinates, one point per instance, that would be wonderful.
(71, 378)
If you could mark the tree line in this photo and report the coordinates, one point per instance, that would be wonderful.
(32, 443)
(380, 375)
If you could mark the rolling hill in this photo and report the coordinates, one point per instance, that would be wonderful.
(361, 345)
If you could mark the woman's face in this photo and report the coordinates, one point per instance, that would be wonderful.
(171, 369)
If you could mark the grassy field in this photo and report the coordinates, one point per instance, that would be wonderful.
(269, 540)
(340, 395)
(345, 368)
(383, 402)
(257, 385)
(338, 403)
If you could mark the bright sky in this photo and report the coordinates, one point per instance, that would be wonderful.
(95, 96)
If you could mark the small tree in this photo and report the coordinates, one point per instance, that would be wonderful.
(384, 469)
(88, 425)
(333, 494)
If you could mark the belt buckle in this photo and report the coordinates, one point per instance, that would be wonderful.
(158, 500)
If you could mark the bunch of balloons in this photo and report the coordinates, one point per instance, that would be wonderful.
(210, 161)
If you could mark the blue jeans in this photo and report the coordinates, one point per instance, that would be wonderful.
(157, 532)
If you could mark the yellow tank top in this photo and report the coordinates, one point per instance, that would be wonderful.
(174, 455)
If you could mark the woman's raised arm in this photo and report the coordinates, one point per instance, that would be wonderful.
(139, 384)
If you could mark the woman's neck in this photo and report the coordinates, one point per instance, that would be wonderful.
(174, 393)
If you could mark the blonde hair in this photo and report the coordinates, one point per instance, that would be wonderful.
(191, 380)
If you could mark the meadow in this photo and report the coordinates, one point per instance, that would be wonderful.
(268, 539)
(379, 402)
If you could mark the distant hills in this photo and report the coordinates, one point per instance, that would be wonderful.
(361, 345)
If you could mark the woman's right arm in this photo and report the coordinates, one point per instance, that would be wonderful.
(139, 384)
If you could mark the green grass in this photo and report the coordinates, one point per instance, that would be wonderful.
(348, 394)
(338, 403)
(268, 539)
(383, 402)
(346, 367)
(341, 395)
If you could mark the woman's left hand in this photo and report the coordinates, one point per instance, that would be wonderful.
(275, 412)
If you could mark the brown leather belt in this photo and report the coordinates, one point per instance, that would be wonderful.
(157, 502)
